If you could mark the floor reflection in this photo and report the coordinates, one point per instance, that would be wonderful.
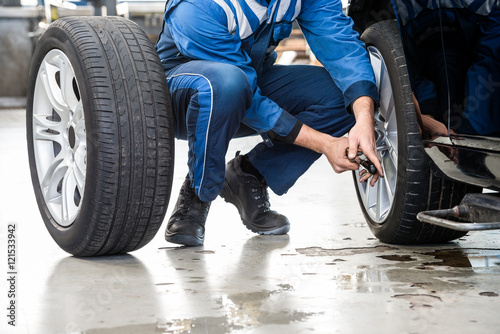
(243, 293)
(465, 258)
(106, 292)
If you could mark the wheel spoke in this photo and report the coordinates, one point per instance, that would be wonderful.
(377, 65)
(78, 115)
(69, 184)
(42, 120)
(55, 173)
(388, 182)
(389, 160)
(365, 191)
(390, 116)
(44, 135)
(383, 82)
(79, 125)
(67, 90)
(391, 132)
(371, 196)
(389, 189)
(392, 144)
(41, 124)
(51, 88)
(391, 124)
(80, 166)
(386, 96)
(377, 203)
(81, 147)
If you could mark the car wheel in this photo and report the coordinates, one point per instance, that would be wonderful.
(100, 135)
(391, 206)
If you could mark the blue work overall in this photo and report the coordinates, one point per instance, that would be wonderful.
(210, 100)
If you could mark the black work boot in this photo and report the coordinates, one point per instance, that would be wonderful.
(186, 226)
(250, 196)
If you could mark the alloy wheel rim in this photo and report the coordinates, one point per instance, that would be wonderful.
(59, 137)
(378, 200)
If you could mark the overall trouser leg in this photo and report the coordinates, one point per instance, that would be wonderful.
(310, 94)
(209, 100)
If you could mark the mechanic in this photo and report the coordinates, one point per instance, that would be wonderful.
(218, 57)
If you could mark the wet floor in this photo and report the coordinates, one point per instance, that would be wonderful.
(328, 275)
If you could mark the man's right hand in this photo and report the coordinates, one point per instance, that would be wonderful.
(333, 148)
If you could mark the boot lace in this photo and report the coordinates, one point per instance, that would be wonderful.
(186, 201)
(191, 206)
(260, 195)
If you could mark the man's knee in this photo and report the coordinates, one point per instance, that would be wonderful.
(230, 86)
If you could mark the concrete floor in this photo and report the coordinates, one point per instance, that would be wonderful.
(328, 275)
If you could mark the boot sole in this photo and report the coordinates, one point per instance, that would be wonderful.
(185, 240)
(278, 231)
(227, 196)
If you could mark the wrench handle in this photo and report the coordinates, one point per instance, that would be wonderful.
(362, 160)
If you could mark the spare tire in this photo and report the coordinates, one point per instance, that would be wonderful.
(100, 135)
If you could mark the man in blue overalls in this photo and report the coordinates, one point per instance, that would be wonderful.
(219, 62)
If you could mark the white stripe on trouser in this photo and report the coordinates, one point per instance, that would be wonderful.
(209, 119)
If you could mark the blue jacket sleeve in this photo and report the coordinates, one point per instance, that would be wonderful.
(336, 45)
(209, 39)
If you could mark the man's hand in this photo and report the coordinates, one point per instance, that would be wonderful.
(333, 148)
(362, 135)
(428, 126)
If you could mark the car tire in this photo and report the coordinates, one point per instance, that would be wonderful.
(100, 135)
(391, 206)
